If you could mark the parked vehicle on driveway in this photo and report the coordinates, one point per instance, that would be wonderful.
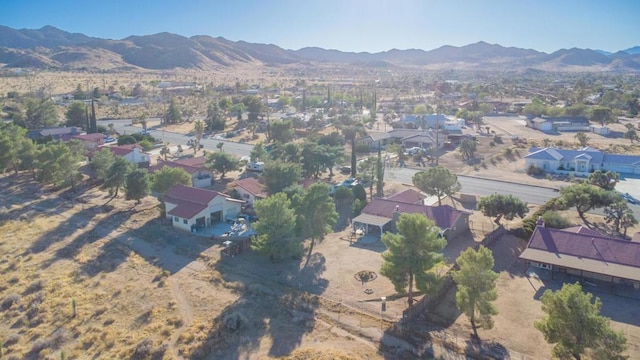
(255, 166)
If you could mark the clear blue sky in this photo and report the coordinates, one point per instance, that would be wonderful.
(348, 25)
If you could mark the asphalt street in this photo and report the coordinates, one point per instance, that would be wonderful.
(124, 127)
(470, 185)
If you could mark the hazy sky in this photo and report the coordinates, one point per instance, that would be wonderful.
(348, 25)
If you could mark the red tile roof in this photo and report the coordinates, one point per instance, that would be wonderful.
(589, 246)
(121, 150)
(252, 186)
(189, 200)
(443, 216)
(408, 196)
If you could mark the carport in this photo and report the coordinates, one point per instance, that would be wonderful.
(370, 223)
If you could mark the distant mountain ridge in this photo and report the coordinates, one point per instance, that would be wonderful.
(50, 47)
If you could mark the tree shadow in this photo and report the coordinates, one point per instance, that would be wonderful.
(277, 301)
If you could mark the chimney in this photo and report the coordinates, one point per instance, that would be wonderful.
(540, 222)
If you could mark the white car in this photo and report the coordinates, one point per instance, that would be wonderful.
(255, 166)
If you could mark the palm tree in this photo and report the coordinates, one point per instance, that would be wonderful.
(198, 129)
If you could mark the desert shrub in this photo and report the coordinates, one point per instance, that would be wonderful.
(555, 220)
(492, 144)
(234, 321)
(498, 139)
(9, 300)
(11, 339)
(13, 280)
(158, 352)
(508, 152)
(126, 140)
(535, 170)
(143, 349)
(35, 286)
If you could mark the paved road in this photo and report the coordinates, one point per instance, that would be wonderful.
(124, 126)
(478, 186)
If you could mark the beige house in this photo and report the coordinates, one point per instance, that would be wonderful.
(189, 208)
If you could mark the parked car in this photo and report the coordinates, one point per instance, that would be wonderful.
(109, 139)
(345, 170)
(630, 198)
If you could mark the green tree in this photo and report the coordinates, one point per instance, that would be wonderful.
(584, 197)
(631, 133)
(254, 107)
(59, 165)
(102, 161)
(468, 149)
(174, 114)
(279, 175)
(502, 206)
(165, 151)
(316, 159)
(582, 138)
(574, 325)
(126, 140)
(627, 220)
(316, 213)
(604, 180)
(138, 185)
(367, 170)
(351, 129)
(13, 142)
(437, 181)
(117, 176)
(476, 286)
(215, 120)
(281, 131)
(258, 153)
(602, 115)
(276, 228)
(40, 113)
(617, 213)
(222, 163)
(167, 177)
(76, 115)
(536, 107)
(411, 254)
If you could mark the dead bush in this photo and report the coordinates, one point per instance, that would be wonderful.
(234, 321)
(143, 349)
(35, 286)
(11, 340)
(8, 301)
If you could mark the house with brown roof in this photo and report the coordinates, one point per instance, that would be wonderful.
(584, 253)
(131, 152)
(189, 208)
(380, 215)
(201, 176)
(251, 189)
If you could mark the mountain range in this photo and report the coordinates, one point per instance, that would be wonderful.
(52, 48)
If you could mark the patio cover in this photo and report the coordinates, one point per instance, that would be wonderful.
(371, 220)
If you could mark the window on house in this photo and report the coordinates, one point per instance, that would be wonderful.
(185, 221)
(176, 219)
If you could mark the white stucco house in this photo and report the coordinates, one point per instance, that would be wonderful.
(131, 152)
(581, 162)
(189, 208)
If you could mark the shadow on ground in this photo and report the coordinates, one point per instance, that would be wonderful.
(277, 302)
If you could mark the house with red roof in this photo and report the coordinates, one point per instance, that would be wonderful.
(251, 189)
(131, 152)
(189, 207)
(584, 253)
(201, 176)
(380, 215)
(91, 141)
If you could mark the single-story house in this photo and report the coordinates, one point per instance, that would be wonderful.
(379, 215)
(426, 121)
(251, 189)
(201, 176)
(585, 253)
(580, 162)
(131, 152)
(559, 123)
(91, 141)
(58, 133)
(406, 137)
(189, 208)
